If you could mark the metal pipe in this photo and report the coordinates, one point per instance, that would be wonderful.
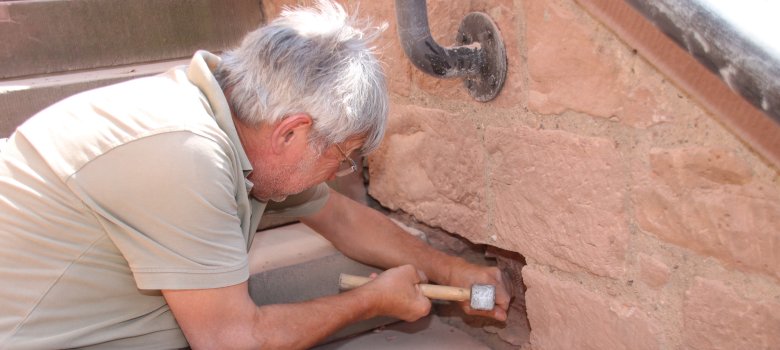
(425, 53)
(479, 58)
(748, 68)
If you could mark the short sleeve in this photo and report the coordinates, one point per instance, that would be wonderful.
(168, 203)
(300, 205)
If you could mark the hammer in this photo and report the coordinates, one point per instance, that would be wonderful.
(482, 296)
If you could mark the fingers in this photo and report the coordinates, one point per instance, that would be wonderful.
(485, 275)
(503, 291)
(423, 277)
(403, 297)
(498, 313)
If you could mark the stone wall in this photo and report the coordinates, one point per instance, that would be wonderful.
(645, 224)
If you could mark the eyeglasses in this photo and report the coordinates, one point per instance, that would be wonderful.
(347, 166)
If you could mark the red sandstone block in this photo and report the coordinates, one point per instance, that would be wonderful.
(699, 167)
(574, 63)
(558, 198)
(565, 315)
(706, 201)
(432, 165)
(716, 317)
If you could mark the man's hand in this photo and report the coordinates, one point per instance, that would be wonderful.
(227, 318)
(467, 274)
(368, 236)
(399, 293)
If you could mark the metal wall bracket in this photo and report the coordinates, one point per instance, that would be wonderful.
(480, 57)
(477, 27)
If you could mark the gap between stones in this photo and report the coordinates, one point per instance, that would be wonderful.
(515, 332)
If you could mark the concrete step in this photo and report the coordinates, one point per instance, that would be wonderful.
(293, 263)
(21, 98)
(428, 333)
(41, 37)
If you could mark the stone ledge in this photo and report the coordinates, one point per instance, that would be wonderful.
(22, 98)
(42, 37)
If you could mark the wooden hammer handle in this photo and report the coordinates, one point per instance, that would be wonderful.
(429, 290)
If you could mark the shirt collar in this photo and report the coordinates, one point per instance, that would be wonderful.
(200, 73)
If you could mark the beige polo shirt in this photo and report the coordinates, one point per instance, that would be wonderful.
(113, 194)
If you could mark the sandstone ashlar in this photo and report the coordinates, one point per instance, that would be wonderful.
(707, 201)
(716, 317)
(432, 165)
(574, 63)
(558, 198)
(565, 315)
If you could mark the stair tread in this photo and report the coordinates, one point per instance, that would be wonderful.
(41, 37)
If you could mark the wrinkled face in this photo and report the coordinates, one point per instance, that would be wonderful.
(300, 172)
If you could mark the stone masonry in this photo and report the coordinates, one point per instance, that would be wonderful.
(644, 222)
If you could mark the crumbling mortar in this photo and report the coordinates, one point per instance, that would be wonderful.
(522, 49)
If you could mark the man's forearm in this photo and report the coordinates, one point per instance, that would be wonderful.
(302, 325)
(366, 235)
(227, 318)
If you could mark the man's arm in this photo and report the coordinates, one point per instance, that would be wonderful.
(366, 235)
(227, 318)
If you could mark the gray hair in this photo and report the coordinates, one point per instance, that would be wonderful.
(314, 61)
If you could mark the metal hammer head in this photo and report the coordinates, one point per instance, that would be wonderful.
(483, 297)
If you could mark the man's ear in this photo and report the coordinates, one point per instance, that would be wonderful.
(292, 129)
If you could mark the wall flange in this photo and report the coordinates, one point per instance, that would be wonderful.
(480, 59)
(477, 27)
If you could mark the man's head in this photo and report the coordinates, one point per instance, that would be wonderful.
(310, 82)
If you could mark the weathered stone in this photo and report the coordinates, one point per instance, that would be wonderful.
(710, 205)
(557, 197)
(431, 164)
(515, 330)
(716, 317)
(652, 271)
(565, 315)
(576, 64)
(699, 167)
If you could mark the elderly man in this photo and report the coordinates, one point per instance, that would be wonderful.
(127, 211)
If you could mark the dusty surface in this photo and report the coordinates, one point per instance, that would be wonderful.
(428, 333)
